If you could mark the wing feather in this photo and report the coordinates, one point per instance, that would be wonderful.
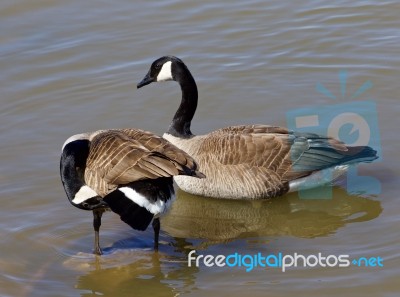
(119, 157)
(275, 155)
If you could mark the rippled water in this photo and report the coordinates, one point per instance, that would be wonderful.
(72, 66)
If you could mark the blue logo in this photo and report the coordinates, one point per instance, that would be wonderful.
(353, 121)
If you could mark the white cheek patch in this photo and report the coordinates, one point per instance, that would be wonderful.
(158, 207)
(165, 73)
(83, 194)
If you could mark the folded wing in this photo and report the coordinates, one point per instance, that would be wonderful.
(119, 157)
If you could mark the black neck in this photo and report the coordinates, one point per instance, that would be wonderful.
(180, 125)
(72, 166)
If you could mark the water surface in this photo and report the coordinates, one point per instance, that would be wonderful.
(72, 66)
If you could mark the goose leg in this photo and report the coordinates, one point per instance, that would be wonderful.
(156, 227)
(97, 213)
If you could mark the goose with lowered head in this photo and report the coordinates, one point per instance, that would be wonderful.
(128, 171)
(250, 161)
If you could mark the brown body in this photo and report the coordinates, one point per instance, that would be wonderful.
(123, 156)
(253, 162)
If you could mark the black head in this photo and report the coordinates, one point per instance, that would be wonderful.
(164, 69)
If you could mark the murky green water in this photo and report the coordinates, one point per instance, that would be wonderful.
(72, 66)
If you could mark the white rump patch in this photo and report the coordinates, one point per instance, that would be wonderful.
(319, 178)
(83, 194)
(158, 207)
(165, 73)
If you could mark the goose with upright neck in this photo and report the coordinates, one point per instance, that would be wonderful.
(171, 68)
(250, 161)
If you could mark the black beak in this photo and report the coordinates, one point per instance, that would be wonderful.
(145, 81)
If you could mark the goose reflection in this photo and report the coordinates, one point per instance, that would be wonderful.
(150, 274)
(212, 221)
(220, 221)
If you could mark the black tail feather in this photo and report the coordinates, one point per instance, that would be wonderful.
(318, 157)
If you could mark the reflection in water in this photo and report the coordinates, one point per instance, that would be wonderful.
(213, 221)
(225, 220)
(150, 274)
